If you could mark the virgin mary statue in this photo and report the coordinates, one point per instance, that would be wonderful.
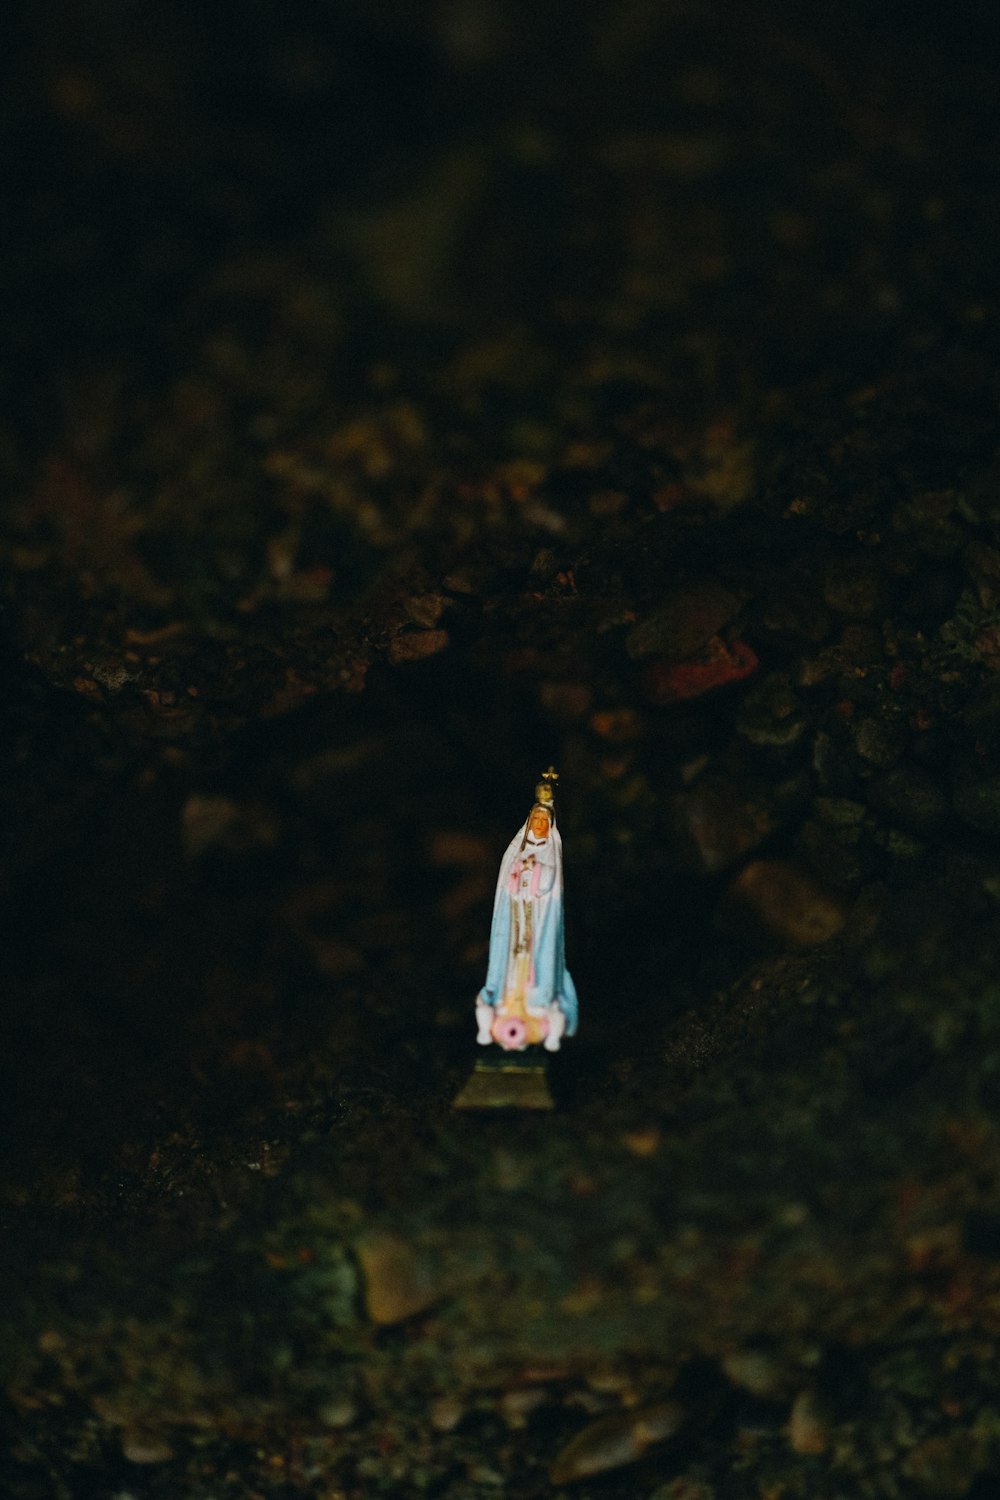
(529, 996)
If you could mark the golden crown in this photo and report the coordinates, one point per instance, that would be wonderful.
(545, 790)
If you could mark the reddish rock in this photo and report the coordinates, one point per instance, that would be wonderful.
(668, 681)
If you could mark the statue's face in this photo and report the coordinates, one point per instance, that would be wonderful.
(539, 824)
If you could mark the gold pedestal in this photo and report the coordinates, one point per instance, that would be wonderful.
(506, 1083)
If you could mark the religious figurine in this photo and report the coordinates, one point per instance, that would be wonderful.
(529, 998)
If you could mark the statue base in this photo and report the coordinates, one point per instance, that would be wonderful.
(505, 1080)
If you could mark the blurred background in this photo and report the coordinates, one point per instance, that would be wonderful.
(394, 400)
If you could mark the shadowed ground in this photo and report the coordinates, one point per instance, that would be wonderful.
(397, 399)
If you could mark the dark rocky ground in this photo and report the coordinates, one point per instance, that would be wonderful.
(397, 398)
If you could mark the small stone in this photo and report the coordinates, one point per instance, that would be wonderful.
(619, 726)
(878, 742)
(482, 1474)
(112, 675)
(425, 609)
(642, 1143)
(146, 1448)
(807, 1432)
(729, 474)
(684, 623)
(416, 645)
(789, 904)
(397, 1282)
(812, 670)
(771, 714)
(517, 1405)
(614, 1441)
(544, 564)
(753, 1370)
(793, 1215)
(338, 1411)
(446, 1413)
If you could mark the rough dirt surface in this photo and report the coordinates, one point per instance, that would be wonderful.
(396, 399)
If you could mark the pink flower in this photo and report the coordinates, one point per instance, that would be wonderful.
(510, 1032)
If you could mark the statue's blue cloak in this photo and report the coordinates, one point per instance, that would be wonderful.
(552, 981)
